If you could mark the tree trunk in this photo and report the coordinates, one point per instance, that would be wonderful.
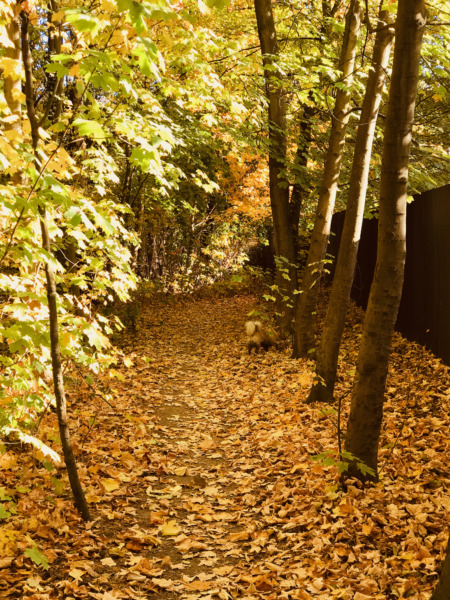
(286, 271)
(306, 304)
(366, 412)
(77, 490)
(328, 350)
(442, 591)
(298, 189)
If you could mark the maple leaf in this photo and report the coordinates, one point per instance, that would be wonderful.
(37, 557)
(12, 68)
(77, 574)
(170, 528)
(110, 484)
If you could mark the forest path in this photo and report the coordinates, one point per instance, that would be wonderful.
(209, 493)
(201, 483)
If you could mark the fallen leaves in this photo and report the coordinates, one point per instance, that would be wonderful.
(170, 528)
(202, 482)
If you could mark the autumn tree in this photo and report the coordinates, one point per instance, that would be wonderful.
(328, 349)
(366, 412)
(306, 304)
(64, 198)
(283, 227)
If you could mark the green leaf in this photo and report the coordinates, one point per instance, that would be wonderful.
(59, 486)
(4, 514)
(106, 81)
(83, 22)
(365, 470)
(57, 68)
(219, 4)
(3, 495)
(319, 457)
(90, 129)
(342, 467)
(37, 557)
(146, 55)
(144, 157)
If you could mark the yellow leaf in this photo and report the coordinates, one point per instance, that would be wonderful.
(170, 528)
(110, 484)
(274, 567)
(165, 584)
(18, 95)
(7, 461)
(8, 544)
(344, 509)
(188, 544)
(207, 443)
(5, 41)
(58, 16)
(76, 574)
(203, 8)
(180, 471)
(113, 373)
(108, 6)
(75, 70)
(406, 556)
(13, 136)
(12, 68)
(239, 536)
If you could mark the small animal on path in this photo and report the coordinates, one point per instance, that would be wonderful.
(258, 337)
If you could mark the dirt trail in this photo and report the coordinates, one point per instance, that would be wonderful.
(221, 499)
(201, 481)
(209, 440)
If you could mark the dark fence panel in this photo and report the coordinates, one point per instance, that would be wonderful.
(424, 314)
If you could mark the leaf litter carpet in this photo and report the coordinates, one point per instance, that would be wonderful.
(201, 483)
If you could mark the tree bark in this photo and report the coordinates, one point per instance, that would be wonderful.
(366, 412)
(77, 490)
(306, 305)
(301, 160)
(328, 350)
(286, 271)
(442, 591)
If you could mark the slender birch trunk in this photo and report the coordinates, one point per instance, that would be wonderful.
(306, 305)
(61, 408)
(328, 350)
(366, 412)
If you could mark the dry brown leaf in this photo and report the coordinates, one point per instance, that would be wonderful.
(170, 528)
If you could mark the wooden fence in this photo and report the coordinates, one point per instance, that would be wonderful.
(424, 314)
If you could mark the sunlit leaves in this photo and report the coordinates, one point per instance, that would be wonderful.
(82, 21)
(11, 68)
(58, 68)
(90, 129)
